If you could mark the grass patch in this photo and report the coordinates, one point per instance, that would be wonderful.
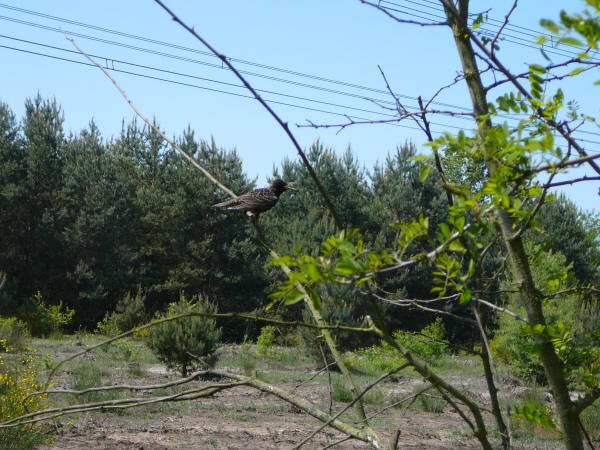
(528, 431)
(88, 374)
(340, 392)
(590, 419)
(431, 403)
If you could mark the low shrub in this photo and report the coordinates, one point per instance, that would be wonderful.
(88, 374)
(429, 344)
(431, 403)
(376, 359)
(531, 417)
(188, 342)
(19, 375)
(590, 419)
(42, 319)
(130, 312)
(340, 392)
(15, 333)
(265, 343)
(108, 327)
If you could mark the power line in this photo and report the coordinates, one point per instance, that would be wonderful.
(201, 52)
(220, 66)
(187, 49)
(180, 83)
(166, 80)
(169, 55)
(484, 28)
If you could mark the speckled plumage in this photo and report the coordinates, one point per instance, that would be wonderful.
(258, 200)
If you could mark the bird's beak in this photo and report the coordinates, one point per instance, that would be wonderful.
(289, 185)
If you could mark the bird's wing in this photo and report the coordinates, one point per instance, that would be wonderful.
(227, 203)
(257, 200)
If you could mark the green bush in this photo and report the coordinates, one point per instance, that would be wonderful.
(42, 319)
(108, 327)
(19, 378)
(188, 342)
(376, 359)
(590, 419)
(87, 374)
(340, 392)
(531, 417)
(14, 332)
(430, 402)
(567, 317)
(429, 343)
(129, 313)
(266, 341)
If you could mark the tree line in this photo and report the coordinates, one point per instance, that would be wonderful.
(89, 220)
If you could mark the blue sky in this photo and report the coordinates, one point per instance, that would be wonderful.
(338, 40)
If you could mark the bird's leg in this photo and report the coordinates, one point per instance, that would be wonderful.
(254, 219)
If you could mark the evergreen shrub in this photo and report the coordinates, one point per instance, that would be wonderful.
(188, 342)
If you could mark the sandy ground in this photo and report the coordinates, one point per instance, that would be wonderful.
(244, 418)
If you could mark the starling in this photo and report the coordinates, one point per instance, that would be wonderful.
(259, 200)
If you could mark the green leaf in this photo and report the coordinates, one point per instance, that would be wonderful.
(313, 272)
(570, 41)
(477, 22)
(536, 68)
(316, 300)
(347, 266)
(465, 297)
(424, 174)
(293, 296)
(534, 412)
(456, 246)
(576, 71)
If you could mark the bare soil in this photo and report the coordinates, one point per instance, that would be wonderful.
(244, 418)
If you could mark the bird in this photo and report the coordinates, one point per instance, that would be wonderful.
(259, 200)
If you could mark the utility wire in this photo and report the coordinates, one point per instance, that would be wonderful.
(111, 67)
(140, 49)
(529, 33)
(166, 80)
(488, 22)
(219, 66)
(196, 51)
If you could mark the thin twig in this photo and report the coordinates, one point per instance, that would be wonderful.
(349, 405)
(148, 122)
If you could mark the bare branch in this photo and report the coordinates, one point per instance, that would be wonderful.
(199, 314)
(572, 181)
(149, 123)
(504, 23)
(349, 405)
(501, 309)
(51, 413)
(122, 387)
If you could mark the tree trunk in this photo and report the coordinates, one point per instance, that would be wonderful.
(521, 269)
